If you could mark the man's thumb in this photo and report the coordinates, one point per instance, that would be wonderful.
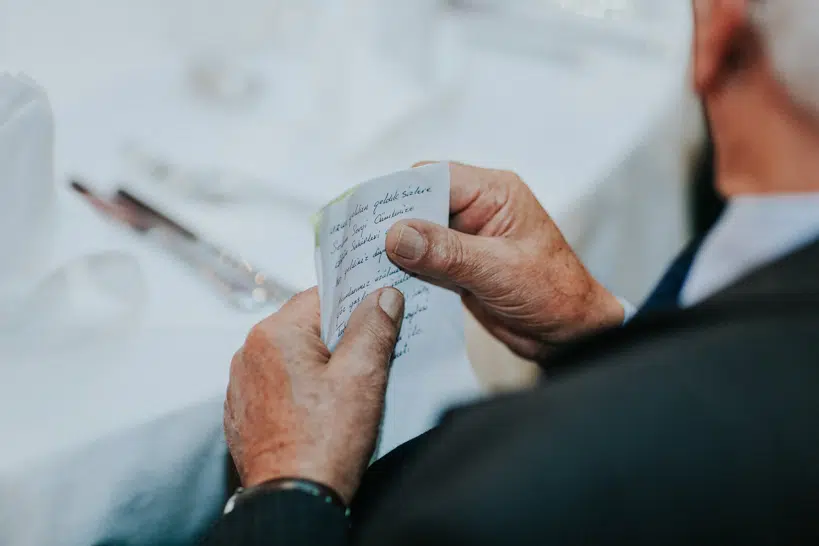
(436, 252)
(371, 333)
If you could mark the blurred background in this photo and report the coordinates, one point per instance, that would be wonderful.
(264, 106)
(239, 119)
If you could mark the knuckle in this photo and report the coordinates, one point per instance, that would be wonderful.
(297, 304)
(257, 339)
(378, 331)
(454, 258)
(292, 305)
(510, 178)
(498, 191)
(261, 340)
(378, 337)
(507, 183)
(305, 296)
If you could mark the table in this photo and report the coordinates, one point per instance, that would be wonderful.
(120, 439)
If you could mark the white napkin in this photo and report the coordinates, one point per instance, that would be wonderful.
(27, 192)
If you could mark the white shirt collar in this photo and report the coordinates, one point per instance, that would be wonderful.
(753, 231)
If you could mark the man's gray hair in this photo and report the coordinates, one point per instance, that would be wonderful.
(791, 32)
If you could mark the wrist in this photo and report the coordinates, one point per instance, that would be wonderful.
(268, 469)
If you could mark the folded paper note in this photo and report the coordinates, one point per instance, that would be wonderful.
(430, 369)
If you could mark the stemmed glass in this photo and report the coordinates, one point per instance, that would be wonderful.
(217, 38)
(322, 78)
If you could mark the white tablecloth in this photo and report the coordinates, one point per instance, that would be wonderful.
(120, 438)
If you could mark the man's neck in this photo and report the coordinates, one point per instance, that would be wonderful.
(769, 147)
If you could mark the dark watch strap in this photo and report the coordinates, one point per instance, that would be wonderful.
(308, 487)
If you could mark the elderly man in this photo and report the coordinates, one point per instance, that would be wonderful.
(696, 423)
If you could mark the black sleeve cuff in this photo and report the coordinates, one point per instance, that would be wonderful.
(281, 518)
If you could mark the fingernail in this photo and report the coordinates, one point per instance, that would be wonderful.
(410, 244)
(391, 301)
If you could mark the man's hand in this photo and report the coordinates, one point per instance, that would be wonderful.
(294, 410)
(506, 256)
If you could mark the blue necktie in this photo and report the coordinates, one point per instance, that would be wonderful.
(666, 295)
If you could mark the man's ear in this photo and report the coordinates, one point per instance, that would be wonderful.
(719, 25)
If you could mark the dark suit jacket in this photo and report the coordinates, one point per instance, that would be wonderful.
(694, 427)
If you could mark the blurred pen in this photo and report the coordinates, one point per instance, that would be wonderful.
(243, 286)
(257, 278)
